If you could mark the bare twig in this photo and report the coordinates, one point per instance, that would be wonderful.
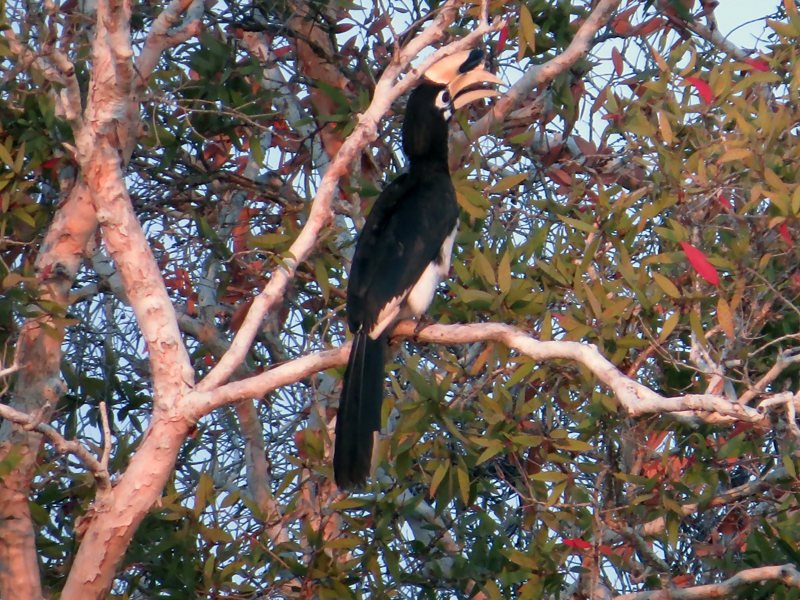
(61, 444)
(785, 359)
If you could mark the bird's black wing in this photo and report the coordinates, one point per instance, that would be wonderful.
(403, 234)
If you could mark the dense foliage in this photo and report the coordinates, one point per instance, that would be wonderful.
(646, 201)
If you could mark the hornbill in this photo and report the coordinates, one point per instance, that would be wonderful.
(402, 253)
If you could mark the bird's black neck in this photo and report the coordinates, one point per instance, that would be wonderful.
(425, 131)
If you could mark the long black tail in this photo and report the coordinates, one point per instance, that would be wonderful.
(359, 411)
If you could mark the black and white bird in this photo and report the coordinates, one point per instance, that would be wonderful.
(402, 254)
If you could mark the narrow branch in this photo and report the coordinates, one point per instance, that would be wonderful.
(540, 74)
(788, 574)
(106, 436)
(785, 359)
(715, 38)
(9, 370)
(200, 403)
(63, 445)
(365, 132)
(159, 38)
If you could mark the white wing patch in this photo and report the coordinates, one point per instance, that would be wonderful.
(415, 301)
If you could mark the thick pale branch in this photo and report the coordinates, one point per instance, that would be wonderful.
(636, 398)
(141, 277)
(365, 132)
(788, 574)
(118, 23)
(201, 403)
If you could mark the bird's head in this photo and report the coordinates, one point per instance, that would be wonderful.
(456, 76)
(446, 86)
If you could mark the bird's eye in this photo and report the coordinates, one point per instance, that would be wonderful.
(446, 96)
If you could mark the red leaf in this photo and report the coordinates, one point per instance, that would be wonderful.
(501, 43)
(784, 231)
(283, 50)
(49, 164)
(577, 543)
(758, 63)
(343, 27)
(702, 89)
(616, 58)
(650, 26)
(725, 202)
(700, 263)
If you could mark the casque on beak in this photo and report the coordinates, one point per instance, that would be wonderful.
(459, 72)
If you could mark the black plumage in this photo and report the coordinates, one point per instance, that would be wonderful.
(402, 254)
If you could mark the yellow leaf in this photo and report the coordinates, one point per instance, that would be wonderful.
(663, 125)
(504, 273)
(484, 268)
(437, 478)
(775, 181)
(527, 30)
(669, 326)
(725, 318)
(735, 154)
(666, 285)
(5, 156)
(506, 183)
(662, 64)
(463, 480)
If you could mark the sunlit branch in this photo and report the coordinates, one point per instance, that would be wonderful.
(788, 574)
(636, 398)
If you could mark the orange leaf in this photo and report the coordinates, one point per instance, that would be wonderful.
(700, 263)
(650, 26)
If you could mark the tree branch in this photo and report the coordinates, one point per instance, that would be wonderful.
(535, 76)
(63, 445)
(788, 574)
(636, 398)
